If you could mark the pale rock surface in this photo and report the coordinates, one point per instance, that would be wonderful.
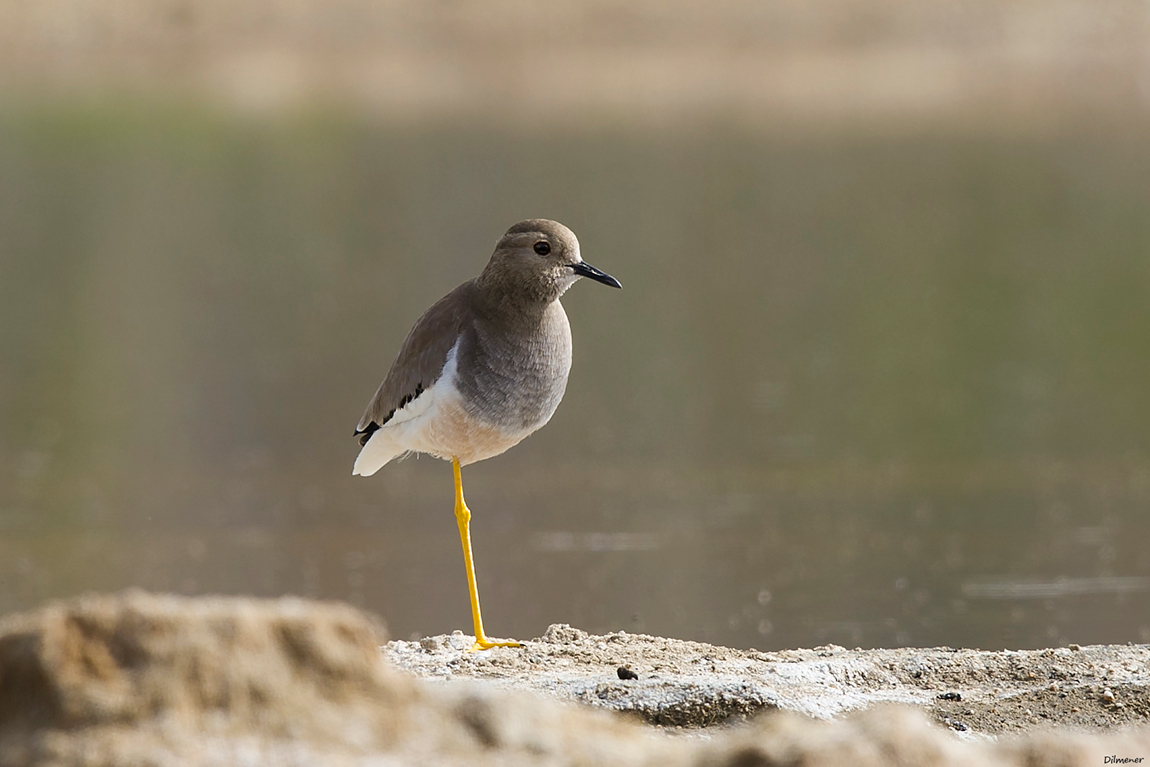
(140, 679)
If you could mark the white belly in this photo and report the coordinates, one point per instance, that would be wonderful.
(437, 423)
(450, 432)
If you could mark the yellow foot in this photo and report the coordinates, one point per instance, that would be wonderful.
(483, 643)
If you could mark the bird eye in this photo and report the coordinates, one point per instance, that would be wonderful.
(542, 247)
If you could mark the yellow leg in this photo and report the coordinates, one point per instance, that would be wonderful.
(463, 518)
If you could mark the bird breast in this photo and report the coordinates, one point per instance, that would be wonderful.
(514, 377)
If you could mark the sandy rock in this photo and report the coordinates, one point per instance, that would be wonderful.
(162, 680)
(94, 680)
(898, 736)
(690, 684)
(138, 679)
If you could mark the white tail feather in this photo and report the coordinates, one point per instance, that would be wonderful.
(403, 432)
(379, 450)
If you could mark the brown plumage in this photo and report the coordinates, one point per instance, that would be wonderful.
(420, 360)
(487, 364)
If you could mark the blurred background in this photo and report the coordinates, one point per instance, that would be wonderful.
(879, 376)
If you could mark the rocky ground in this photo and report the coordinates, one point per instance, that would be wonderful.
(669, 682)
(141, 679)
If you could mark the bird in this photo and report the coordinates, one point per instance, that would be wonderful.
(482, 369)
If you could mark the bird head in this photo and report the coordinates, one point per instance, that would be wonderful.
(537, 261)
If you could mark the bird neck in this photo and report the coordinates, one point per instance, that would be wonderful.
(518, 303)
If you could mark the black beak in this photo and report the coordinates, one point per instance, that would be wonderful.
(584, 269)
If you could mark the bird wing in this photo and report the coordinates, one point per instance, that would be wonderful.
(419, 363)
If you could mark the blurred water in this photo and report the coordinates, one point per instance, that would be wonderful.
(857, 389)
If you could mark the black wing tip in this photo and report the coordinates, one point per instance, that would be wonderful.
(365, 433)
